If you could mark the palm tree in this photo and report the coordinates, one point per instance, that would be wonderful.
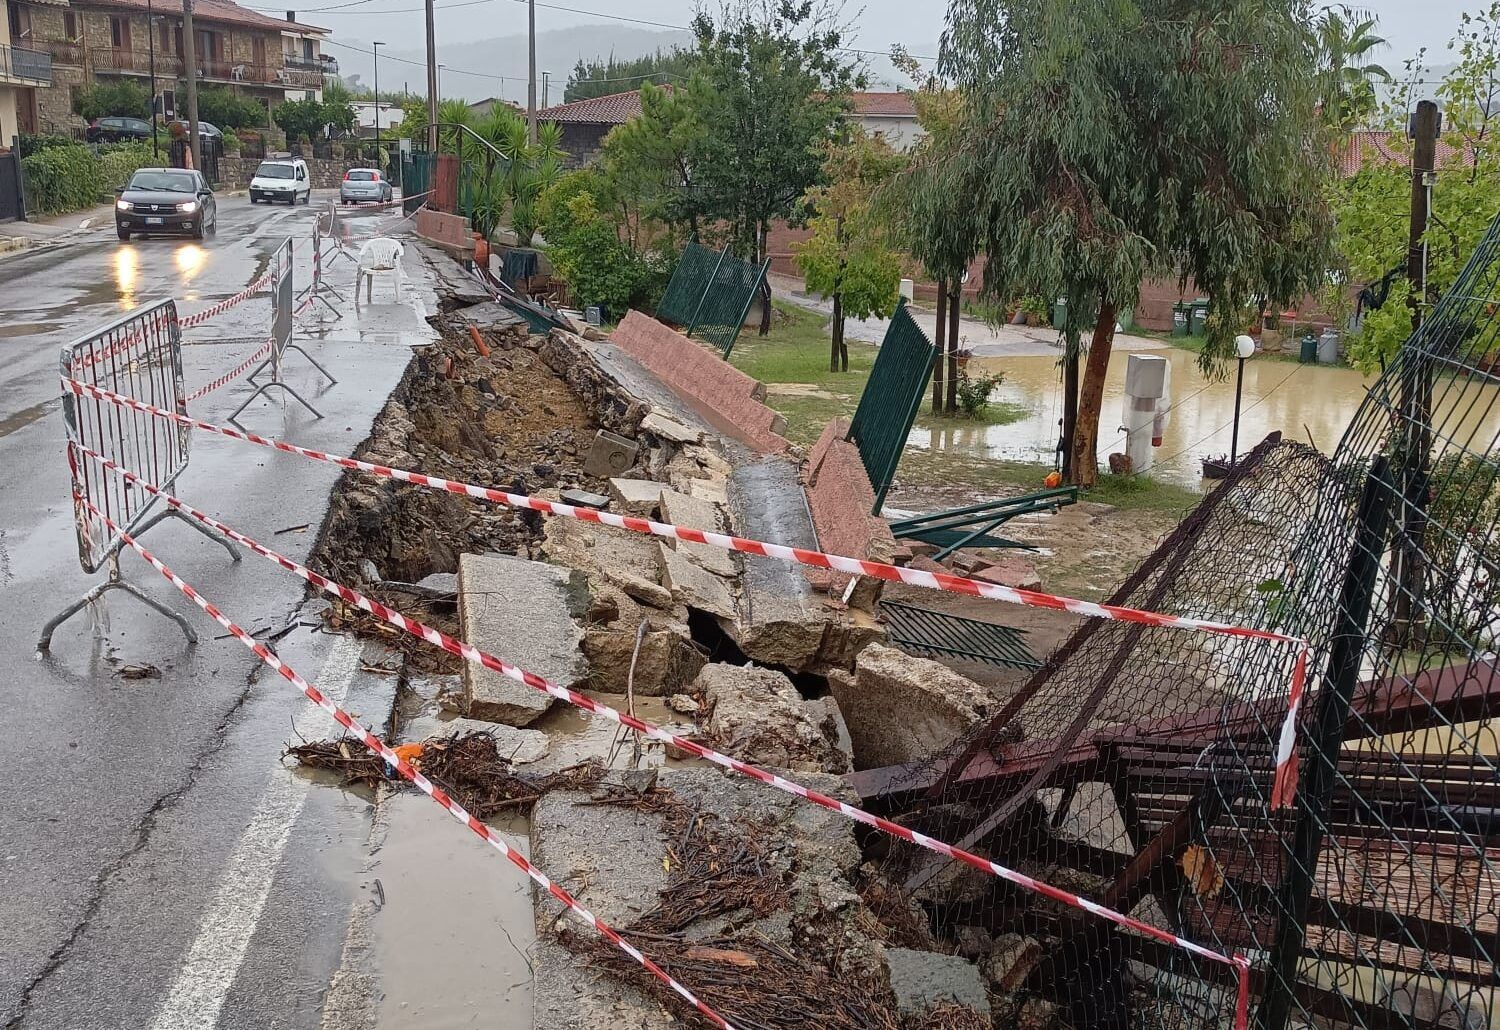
(1345, 38)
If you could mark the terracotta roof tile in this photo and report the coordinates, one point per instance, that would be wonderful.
(883, 105)
(614, 109)
(1383, 147)
(225, 11)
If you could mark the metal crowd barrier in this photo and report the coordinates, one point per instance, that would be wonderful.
(316, 288)
(283, 306)
(138, 355)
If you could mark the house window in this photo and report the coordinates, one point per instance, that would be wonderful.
(119, 33)
(70, 26)
(258, 51)
(307, 49)
(20, 21)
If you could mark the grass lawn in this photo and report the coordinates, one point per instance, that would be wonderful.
(792, 360)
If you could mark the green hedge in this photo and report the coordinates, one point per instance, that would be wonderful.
(69, 178)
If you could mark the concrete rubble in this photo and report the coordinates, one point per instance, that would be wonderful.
(758, 716)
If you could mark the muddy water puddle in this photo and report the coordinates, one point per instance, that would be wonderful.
(1296, 400)
(454, 935)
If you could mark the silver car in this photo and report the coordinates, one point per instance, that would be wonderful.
(364, 184)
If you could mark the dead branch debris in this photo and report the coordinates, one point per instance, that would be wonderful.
(469, 767)
(949, 1015)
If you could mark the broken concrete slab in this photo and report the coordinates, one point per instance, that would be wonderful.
(635, 496)
(714, 491)
(901, 708)
(923, 979)
(757, 715)
(681, 509)
(584, 499)
(1010, 571)
(520, 746)
(693, 585)
(667, 662)
(609, 455)
(525, 612)
(665, 427)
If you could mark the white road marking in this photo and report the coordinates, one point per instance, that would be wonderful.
(213, 961)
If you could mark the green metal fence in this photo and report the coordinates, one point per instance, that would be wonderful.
(888, 407)
(710, 294)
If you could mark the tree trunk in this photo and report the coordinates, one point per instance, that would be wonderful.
(1070, 410)
(953, 311)
(765, 283)
(1091, 398)
(942, 330)
(838, 336)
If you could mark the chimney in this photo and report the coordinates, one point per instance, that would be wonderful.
(291, 16)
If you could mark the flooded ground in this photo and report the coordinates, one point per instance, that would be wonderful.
(1278, 395)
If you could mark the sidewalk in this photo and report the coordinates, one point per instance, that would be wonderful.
(1007, 341)
(17, 236)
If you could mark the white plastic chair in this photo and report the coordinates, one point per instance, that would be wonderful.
(381, 254)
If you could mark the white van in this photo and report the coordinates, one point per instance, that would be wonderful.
(281, 178)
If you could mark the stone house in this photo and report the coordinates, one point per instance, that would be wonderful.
(23, 70)
(100, 40)
(585, 123)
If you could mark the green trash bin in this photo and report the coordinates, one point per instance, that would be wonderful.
(1309, 352)
(1059, 311)
(1198, 317)
(1179, 319)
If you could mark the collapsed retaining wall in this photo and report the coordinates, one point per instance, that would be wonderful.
(724, 395)
(840, 497)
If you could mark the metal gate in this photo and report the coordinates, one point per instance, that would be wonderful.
(12, 196)
(888, 406)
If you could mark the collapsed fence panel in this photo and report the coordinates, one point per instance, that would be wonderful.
(689, 280)
(710, 294)
(1139, 764)
(888, 406)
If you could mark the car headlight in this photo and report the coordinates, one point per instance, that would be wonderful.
(124, 205)
(188, 207)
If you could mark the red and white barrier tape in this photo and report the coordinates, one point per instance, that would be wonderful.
(229, 377)
(188, 322)
(472, 654)
(1282, 792)
(407, 772)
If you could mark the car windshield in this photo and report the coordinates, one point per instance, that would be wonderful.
(361, 175)
(166, 181)
(270, 171)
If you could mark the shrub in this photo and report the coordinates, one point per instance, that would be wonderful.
(228, 110)
(68, 178)
(598, 268)
(102, 100)
(30, 143)
(974, 394)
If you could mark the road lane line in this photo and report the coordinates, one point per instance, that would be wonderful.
(213, 961)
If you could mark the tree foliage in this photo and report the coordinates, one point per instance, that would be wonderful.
(229, 110)
(598, 78)
(849, 257)
(1108, 141)
(1371, 208)
(122, 98)
(1347, 76)
(649, 159)
(313, 118)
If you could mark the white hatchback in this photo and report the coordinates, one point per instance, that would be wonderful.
(282, 178)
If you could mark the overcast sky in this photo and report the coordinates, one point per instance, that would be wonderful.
(1408, 24)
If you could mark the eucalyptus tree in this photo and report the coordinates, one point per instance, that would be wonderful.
(1108, 141)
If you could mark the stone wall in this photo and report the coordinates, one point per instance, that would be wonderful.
(726, 397)
(235, 172)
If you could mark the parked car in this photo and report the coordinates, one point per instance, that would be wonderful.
(364, 184)
(209, 129)
(115, 129)
(284, 178)
(165, 201)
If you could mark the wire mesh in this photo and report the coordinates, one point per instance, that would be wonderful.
(138, 356)
(726, 302)
(689, 280)
(1135, 767)
(888, 406)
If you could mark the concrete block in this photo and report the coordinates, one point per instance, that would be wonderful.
(714, 491)
(636, 496)
(667, 662)
(681, 509)
(901, 709)
(693, 585)
(757, 715)
(924, 979)
(609, 455)
(585, 499)
(666, 428)
(525, 612)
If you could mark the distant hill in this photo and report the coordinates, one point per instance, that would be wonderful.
(557, 51)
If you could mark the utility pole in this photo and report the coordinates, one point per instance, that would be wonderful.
(546, 84)
(375, 49)
(1416, 388)
(531, 71)
(151, 46)
(432, 83)
(190, 65)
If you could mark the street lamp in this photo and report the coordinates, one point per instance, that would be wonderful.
(1244, 347)
(375, 48)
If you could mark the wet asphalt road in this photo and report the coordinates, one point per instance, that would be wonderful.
(159, 868)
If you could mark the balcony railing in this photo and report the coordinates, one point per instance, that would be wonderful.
(32, 67)
(304, 63)
(133, 61)
(301, 74)
(238, 71)
(62, 52)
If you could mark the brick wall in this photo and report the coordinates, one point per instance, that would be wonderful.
(840, 497)
(442, 228)
(721, 393)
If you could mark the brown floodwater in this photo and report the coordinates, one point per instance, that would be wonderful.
(1298, 400)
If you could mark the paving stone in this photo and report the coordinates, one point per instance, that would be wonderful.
(525, 612)
(693, 585)
(635, 496)
(1010, 571)
(667, 428)
(680, 509)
